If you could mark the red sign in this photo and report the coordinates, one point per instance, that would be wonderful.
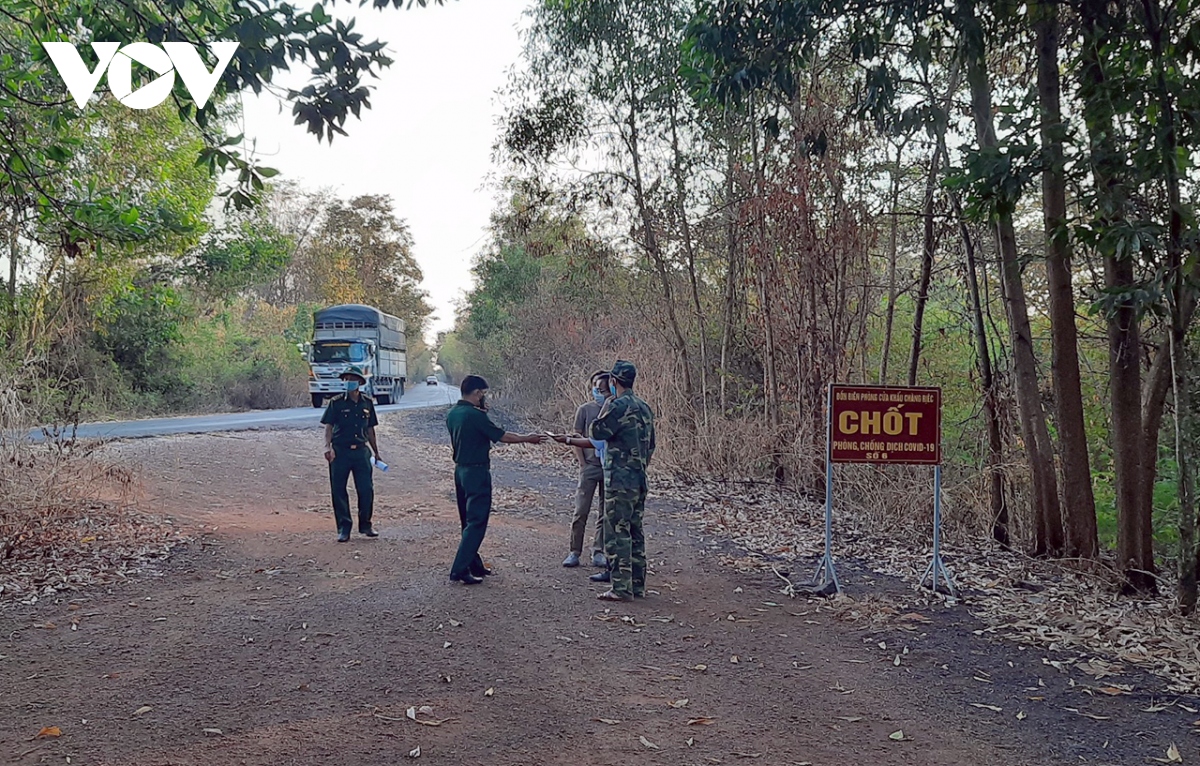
(874, 424)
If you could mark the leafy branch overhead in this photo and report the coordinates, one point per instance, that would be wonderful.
(42, 130)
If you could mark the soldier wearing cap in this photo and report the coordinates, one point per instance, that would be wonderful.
(626, 424)
(350, 422)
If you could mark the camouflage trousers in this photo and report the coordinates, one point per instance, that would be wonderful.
(624, 541)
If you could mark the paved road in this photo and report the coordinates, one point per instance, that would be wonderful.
(417, 396)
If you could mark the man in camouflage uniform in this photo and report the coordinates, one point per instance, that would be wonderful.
(627, 425)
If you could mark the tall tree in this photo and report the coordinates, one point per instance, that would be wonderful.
(1079, 503)
(1039, 450)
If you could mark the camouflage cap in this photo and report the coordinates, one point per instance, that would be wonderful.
(354, 370)
(624, 372)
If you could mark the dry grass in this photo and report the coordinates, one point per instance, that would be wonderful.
(65, 520)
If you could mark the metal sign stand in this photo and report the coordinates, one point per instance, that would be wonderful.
(826, 576)
(937, 567)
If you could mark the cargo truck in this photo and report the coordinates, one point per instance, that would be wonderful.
(362, 336)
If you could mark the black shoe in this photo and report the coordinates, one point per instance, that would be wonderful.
(344, 537)
(601, 577)
(466, 579)
(369, 532)
(481, 572)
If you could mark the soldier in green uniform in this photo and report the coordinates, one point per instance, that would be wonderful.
(627, 425)
(350, 422)
(472, 434)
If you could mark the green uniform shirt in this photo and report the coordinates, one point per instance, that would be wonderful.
(350, 420)
(472, 433)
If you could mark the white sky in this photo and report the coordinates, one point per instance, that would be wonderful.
(427, 139)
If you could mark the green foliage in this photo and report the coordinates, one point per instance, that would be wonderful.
(230, 361)
(506, 279)
(229, 262)
(137, 325)
(42, 136)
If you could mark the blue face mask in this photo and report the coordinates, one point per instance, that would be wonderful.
(351, 385)
(612, 387)
(599, 397)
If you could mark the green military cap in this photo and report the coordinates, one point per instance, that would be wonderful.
(624, 372)
(354, 370)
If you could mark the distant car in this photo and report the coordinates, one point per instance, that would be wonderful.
(431, 380)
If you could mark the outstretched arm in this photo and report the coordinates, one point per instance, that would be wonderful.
(511, 438)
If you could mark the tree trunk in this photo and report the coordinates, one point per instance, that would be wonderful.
(1179, 296)
(771, 378)
(1079, 503)
(928, 249)
(996, 490)
(893, 246)
(731, 276)
(1183, 457)
(1129, 432)
(653, 249)
(1038, 448)
(14, 255)
(690, 251)
(930, 234)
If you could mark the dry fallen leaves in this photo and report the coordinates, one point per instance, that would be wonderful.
(1173, 755)
(702, 721)
(648, 743)
(415, 752)
(143, 710)
(609, 721)
(679, 703)
(49, 731)
(1034, 603)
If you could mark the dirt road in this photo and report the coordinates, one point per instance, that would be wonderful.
(265, 643)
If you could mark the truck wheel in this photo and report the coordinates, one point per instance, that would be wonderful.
(399, 388)
(318, 400)
(384, 399)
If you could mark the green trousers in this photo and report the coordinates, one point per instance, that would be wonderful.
(473, 491)
(356, 462)
(624, 540)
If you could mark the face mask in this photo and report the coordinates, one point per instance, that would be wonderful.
(612, 387)
(483, 402)
(599, 397)
(351, 385)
